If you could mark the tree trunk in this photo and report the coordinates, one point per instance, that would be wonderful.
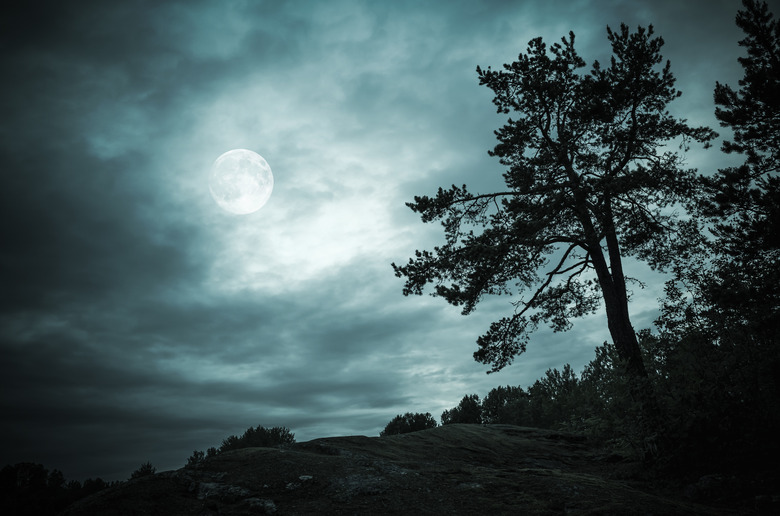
(619, 321)
(613, 288)
(612, 283)
(641, 389)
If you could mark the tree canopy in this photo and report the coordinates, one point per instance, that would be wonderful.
(589, 178)
(409, 422)
(744, 206)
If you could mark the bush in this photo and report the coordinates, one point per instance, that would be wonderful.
(196, 459)
(505, 405)
(146, 469)
(469, 411)
(258, 437)
(253, 437)
(404, 424)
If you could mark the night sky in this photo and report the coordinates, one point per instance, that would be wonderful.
(139, 321)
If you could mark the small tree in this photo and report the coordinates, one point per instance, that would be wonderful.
(552, 399)
(468, 411)
(507, 405)
(146, 469)
(407, 423)
(196, 459)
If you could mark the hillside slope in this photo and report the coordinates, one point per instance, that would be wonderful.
(455, 469)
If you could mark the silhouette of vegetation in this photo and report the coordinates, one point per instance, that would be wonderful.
(597, 403)
(587, 185)
(197, 457)
(504, 405)
(144, 470)
(468, 411)
(252, 437)
(31, 489)
(260, 437)
(404, 424)
(721, 315)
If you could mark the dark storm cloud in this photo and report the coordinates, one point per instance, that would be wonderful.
(71, 232)
(73, 223)
(129, 389)
(138, 323)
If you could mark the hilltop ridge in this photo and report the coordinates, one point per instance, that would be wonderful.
(454, 469)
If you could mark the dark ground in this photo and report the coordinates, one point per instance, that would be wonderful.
(455, 469)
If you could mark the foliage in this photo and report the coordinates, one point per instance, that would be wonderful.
(559, 400)
(30, 489)
(258, 437)
(720, 407)
(588, 182)
(196, 459)
(718, 332)
(552, 399)
(725, 287)
(745, 201)
(721, 404)
(506, 405)
(253, 437)
(751, 112)
(409, 422)
(468, 411)
(144, 470)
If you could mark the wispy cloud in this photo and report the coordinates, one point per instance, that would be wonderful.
(140, 322)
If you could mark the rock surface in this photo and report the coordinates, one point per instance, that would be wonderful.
(455, 469)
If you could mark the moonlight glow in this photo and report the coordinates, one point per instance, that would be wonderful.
(241, 181)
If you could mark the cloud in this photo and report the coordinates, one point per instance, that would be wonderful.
(139, 322)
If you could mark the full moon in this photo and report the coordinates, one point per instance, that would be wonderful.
(241, 181)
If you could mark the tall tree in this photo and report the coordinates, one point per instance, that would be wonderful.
(589, 180)
(726, 286)
(726, 306)
(745, 206)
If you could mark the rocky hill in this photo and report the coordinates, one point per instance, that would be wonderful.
(455, 469)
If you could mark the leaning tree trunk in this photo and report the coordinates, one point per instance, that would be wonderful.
(641, 389)
(616, 298)
(618, 319)
(613, 287)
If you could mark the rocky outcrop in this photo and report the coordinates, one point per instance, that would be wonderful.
(456, 469)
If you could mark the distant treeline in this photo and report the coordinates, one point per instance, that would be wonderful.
(720, 399)
(253, 437)
(31, 489)
(28, 489)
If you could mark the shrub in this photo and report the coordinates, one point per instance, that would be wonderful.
(505, 405)
(253, 437)
(258, 437)
(146, 469)
(404, 424)
(196, 459)
(468, 411)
